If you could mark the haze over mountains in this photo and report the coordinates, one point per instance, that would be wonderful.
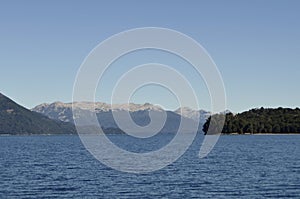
(138, 112)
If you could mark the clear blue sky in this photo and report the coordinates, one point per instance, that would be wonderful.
(255, 44)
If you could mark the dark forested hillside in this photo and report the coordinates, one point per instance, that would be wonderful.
(263, 120)
(15, 119)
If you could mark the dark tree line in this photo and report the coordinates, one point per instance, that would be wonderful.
(263, 120)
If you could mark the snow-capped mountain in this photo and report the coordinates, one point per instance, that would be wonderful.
(138, 112)
(63, 111)
(187, 112)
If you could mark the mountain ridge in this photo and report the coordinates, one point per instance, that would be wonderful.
(138, 112)
(16, 119)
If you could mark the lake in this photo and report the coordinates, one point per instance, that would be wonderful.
(249, 166)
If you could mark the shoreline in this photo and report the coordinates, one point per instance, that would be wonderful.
(261, 134)
(223, 134)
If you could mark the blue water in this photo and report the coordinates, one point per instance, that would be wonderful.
(238, 167)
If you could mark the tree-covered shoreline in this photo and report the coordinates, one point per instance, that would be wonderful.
(260, 121)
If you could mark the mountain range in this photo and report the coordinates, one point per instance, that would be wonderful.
(138, 112)
(57, 117)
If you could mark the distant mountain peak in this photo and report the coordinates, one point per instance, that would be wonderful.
(185, 108)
